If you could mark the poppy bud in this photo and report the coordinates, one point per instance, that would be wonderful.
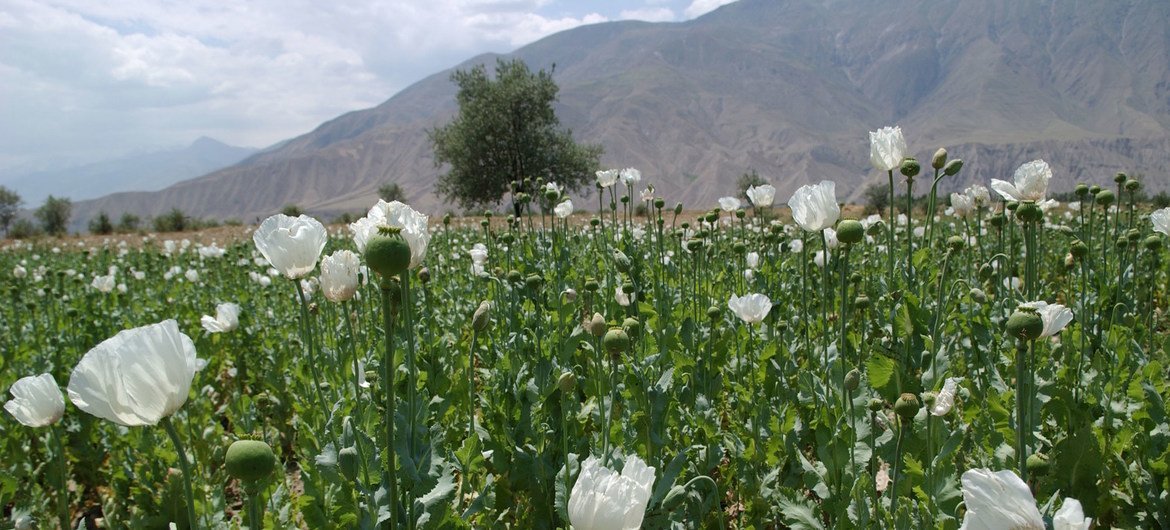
(939, 159)
(482, 316)
(347, 460)
(632, 327)
(1079, 249)
(596, 325)
(567, 382)
(1037, 464)
(953, 167)
(714, 312)
(678, 208)
(956, 243)
(852, 380)
(876, 405)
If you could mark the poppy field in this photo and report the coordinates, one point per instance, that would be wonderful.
(988, 358)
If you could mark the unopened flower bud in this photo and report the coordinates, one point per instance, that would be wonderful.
(852, 380)
(482, 316)
(876, 405)
(347, 460)
(621, 261)
(596, 325)
(632, 327)
(514, 276)
(534, 281)
(939, 159)
(953, 167)
(567, 382)
(678, 208)
(570, 295)
(1079, 249)
(1037, 464)
(956, 243)
(978, 295)
(424, 275)
(714, 312)
(674, 498)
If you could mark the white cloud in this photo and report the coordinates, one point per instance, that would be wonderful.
(87, 79)
(702, 7)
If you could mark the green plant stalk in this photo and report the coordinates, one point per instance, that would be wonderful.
(185, 468)
(565, 400)
(897, 466)
(411, 383)
(930, 209)
(388, 375)
(843, 317)
(471, 384)
(314, 369)
(255, 507)
(910, 231)
(62, 490)
(1022, 427)
(890, 236)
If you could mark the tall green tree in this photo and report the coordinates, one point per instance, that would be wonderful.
(507, 131)
(54, 215)
(9, 205)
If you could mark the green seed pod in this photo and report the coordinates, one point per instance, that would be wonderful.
(347, 460)
(387, 254)
(850, 231)
(739, 247)
(1012, 206)
(250, 460)
(694, 245)
(534, 282)
(684, 225)
(632, 327)
(1122, 242)
(446, 219)
(910, 167)
(616, 340)
(907, 407)
(1132, 185)
(659, 203)
(985, 272)
(514, 276)
(1025, 325)
(939, 159)
(594, 222)
(1153, 243)
(628, 288)
(507, 238)
(855, 278)
(998, 220)
(852, 380)
(1037, 464)
(712, 217)
(485, 223)
(1079, 249)
(956, 243)
(1094, 189)
(1133, 235)
(551, 195)
(953, 167)
(591, 285)
(1105, 197)
(1120, 178)
(424, 275)
(625, 199)
(876, 405)
(875, 229)
(1029, 212)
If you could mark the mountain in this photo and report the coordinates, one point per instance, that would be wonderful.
(142, 172)
(787, 87)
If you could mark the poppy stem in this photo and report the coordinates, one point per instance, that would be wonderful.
(185, 468)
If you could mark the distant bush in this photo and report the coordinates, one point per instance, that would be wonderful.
(172, 221)
(129, 223)
(232, 221)
(101, 224)
(23, 229)
(292, 210)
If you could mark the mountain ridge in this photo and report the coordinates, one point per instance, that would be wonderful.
(789, 89)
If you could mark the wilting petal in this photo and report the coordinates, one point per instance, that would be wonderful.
(36, 401)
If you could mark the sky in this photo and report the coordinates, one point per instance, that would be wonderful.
(87, 80)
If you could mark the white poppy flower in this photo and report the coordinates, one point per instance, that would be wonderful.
(1071, 516)
(1029, 183)
(945, 399)
(136, 377)
(621, 297)
(978, 194)
(815, 208)
(19, 272)
(751, 308)
(291, 245)
(564, 209)
(607, 177)
(729, 204)
(104, 284)
(36, 401)
(339, 275)
(227, 318)
(602, 499)
(1161, 220)
(396, 215)
(998, 500)
(962, 204)
(887, 148)
(630, 176)
(762, 195)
